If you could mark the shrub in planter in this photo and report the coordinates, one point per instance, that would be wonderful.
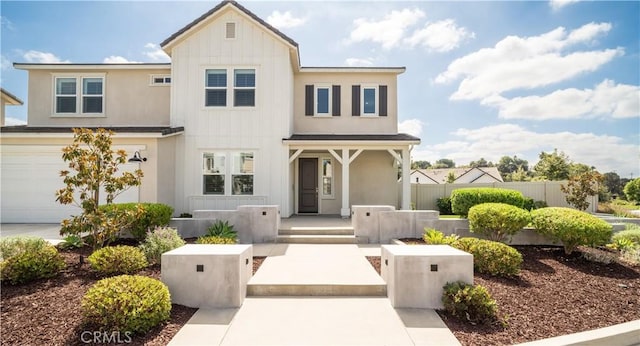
(159, 241)
(435, 237)
(571, 227)
(444, 206)
(36, 262)
(491, 257)
(113, 260)
(215, 240)
(222, 229)
(127, 303)
(497, 221)
(153, 215)
(463, 199)
(468, 302)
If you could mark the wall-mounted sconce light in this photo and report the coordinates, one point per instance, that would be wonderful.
(137, 158)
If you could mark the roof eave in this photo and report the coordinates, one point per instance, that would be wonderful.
(11, 98)
(91, 66)
(346, 69)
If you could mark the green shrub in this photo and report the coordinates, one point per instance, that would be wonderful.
(159, 241)
(114, 260)
(153, 215)
(491, 257)
(631, 255)
(37, 262)
(497, 221)
(129, 303)
(222, 229)
(631, 234)
(12, 246)
(72, 241)
(215, 240)
(468, 302)
(632, 190)
(530, 204)
(463, 199)
(444, 206)
(435, 237)
(571, 227)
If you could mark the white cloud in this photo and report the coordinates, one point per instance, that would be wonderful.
(525, 63)
(35, 56)
(155, 53)
(558, 4)
(607, 99)
(9, 121)
(411, 126)
(284, 20)
(493, 142)
(440, 36)
(388, 31)
(5, 64)
(5, 23)
(366, 62)
(116, 59)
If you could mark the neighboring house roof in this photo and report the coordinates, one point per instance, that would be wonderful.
(346, 69)
(162, 130)
(9, 98)
(403, 137)
(90, 66)
(462, 175)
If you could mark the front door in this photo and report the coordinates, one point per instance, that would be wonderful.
(308, 181)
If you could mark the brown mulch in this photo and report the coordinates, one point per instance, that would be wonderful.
(554, 295)
(47, 312)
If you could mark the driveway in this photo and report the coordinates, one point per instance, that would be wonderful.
(43, 230)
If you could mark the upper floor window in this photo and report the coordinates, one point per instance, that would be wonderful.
(369, 100)
(243, 93)
(79, 95)
(322, 100)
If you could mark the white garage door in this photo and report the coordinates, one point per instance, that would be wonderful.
(30, 177)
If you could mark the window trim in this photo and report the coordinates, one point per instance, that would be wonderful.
(165, 77)
(316, 88)
(230, 88)
(377, 100)
(79, 95)
(229, 171)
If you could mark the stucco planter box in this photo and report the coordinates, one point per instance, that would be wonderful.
(208, 276)
(366, 222)
(416, 274)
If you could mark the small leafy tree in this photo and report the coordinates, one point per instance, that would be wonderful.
(552, 166)
(632, 190)
(580, 187)
(95, 167)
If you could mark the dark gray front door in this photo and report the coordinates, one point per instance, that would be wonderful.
(308, 191)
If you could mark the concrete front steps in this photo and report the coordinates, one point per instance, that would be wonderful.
(317, 235)
(316, 270)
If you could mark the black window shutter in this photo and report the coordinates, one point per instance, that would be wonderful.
(355, 100)
(335, 100)
(383, 100)
(308, 100)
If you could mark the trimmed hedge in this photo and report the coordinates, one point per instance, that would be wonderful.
(31, 262)
(491, 257)
(113, 260)
(471, 303)
(463, 199)
(210, 239)
(571, 227)
(126, 303)
(444, 206)
(154, 215)
(497, 221)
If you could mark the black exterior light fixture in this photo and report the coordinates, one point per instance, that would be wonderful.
(137, 158)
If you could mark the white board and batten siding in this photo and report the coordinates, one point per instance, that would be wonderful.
(29, 179)
(259, 129)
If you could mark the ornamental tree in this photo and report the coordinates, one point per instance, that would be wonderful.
(94, 169)
(580, 187)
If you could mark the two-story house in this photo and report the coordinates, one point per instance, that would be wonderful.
(233, 120)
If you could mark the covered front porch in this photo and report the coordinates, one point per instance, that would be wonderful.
(330, 173)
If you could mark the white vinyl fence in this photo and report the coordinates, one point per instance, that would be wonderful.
(424, 196)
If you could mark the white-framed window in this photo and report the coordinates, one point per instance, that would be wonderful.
(219, 178)
(369, 100)
(327, 177)
(242, 92)
(156, 79)
(323, 100)
(78, 95)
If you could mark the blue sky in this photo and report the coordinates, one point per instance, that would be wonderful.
(484, 78)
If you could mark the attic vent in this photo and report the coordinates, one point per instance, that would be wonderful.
(230, 30)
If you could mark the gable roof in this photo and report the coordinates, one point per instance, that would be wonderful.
(10, 98)
(191, 27)
(462, 175)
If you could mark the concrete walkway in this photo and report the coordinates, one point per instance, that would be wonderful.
(310, 310)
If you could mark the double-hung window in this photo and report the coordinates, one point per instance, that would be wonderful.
(222, 179)
(225, 87)
(79, 95)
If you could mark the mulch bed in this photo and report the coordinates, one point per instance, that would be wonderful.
(554, 295)
(47, 312)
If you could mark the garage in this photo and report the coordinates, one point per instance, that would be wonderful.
(30, 177)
